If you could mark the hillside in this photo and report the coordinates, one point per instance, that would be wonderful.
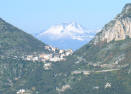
(103, 66)
(26, 63)
(112, 43)
(15, 43)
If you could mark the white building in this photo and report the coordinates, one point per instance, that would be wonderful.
(108, 85)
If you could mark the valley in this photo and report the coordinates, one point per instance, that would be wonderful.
(102, 66)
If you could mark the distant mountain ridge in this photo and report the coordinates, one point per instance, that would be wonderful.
(66, 34)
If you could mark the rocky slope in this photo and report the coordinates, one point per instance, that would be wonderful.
(117, 29)
(110, 49)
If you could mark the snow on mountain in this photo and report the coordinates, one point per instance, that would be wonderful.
(66, 36)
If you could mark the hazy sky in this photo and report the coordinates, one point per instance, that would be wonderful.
(36, 15)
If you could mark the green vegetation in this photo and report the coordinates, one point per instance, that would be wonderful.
(104, 68)
(14, 41)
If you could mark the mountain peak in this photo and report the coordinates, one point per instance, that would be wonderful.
(127, 7)
(126, 12)
(65, 35)
(71, 25)
(63, 30)
(74, 24)
(117, 29)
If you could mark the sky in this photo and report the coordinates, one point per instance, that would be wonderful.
(33, 16)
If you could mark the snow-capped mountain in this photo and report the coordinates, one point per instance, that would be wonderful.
(66, 36)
